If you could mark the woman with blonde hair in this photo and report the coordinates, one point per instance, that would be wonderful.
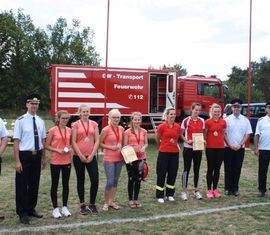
(59, 143)
(85, 141)
(111, 141)
(168, 157)
(214, 135)
(136, 137)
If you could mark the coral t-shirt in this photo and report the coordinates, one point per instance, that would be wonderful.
(60, 141)
(134, 140)
(215, 133)
(85, 136)
(112, 138)
(169, 137)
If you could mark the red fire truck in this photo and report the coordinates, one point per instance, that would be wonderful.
(149, 91)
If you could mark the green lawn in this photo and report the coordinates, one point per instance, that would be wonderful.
(245, 221)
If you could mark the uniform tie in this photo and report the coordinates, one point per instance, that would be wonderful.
(35, 134)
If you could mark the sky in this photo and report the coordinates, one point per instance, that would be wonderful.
(207, 37)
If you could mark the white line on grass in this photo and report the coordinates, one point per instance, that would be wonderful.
(128, 220)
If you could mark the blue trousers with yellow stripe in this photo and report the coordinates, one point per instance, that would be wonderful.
(167, 167)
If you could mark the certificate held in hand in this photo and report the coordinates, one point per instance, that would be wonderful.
(198, 141)
(129, 154)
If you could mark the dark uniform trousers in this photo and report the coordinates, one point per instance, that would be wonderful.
(264, 159)
(27, 182)
(167, 165)
(233, 161)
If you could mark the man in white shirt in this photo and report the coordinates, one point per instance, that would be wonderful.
(262, 148)
(29, 141)
(237, 132)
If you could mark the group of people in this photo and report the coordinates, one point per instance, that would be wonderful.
(78, 144)
(224, 140)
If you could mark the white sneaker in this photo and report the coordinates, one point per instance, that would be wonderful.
(65, 211)
(184, 196)
(171, 199)
(160, 200)
(197, 195)
(56, 213)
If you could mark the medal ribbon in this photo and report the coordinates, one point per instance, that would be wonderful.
(86, 130)
(64, 138)
(138, 138)
(117, 135)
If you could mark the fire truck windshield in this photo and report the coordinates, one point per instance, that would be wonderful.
(209, 89)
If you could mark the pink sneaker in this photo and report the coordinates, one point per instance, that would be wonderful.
(210, 194)
(216, 193)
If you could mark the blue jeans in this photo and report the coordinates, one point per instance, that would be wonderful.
(112, 171)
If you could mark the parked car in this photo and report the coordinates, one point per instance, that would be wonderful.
(257, 110)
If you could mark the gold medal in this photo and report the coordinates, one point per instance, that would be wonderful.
(66, 149)
(172, 141)
(215, 133)
(86, 139)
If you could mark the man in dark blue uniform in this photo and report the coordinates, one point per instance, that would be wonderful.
(29, 141)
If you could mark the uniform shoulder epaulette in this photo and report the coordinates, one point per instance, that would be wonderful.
(21, 117)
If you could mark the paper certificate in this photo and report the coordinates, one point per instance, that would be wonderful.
(198, 141)
(129, 154)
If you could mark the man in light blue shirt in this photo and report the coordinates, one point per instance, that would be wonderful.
(29, 141)
(237, 132)
(262, 148)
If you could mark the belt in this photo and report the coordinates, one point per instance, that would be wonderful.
(34, 152)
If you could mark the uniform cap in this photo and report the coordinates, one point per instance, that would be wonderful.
(33, 98)
(236, 102)
(267, 104)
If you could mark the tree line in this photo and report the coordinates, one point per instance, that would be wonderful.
(27, 51)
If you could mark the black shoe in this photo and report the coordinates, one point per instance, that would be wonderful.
(236, 193)
(228, 192)
(35, 214)
(24, 219)
(261, 194)
(93, 209)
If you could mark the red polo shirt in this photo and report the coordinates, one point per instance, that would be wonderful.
(215, 133)
(169, 137)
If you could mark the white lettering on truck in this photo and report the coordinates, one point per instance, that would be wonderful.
(129, 77)
(127, 87)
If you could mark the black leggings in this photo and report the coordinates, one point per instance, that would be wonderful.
(134, 185)
(214, 159)
(189, 155)
(55, 174)
(92, 169)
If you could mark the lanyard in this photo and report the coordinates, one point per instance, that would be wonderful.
(64, 138)
(86, 131)
(138, 138)
(117, 135)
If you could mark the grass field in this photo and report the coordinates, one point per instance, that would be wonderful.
(244, 221)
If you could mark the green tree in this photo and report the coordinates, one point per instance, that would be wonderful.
(180, 69)
(70, 45)
(237, 84)
(26, 53)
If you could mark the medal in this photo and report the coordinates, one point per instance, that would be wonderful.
(64, 139)
(118, 145)
(172, 141)
(215, 133)
(86, 139)
(117, 136)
